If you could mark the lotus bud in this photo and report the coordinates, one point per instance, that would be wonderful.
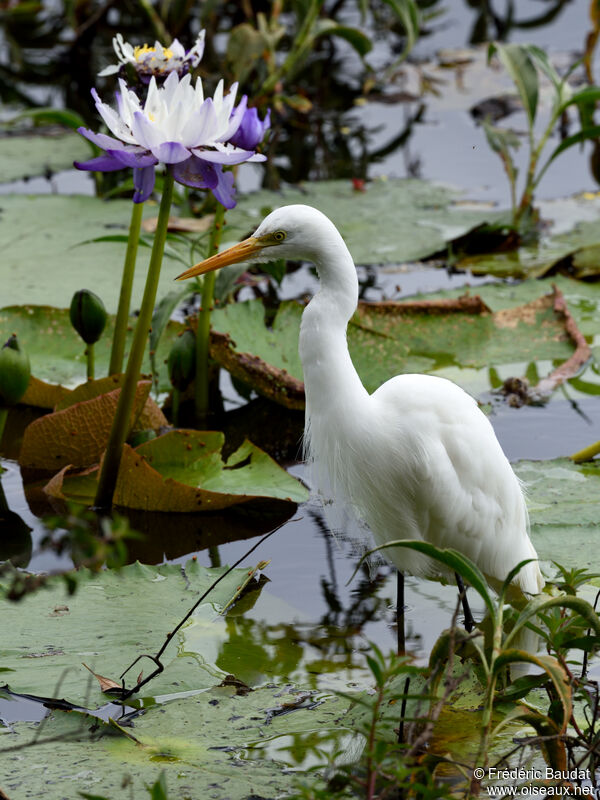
(88, 315)
(182, 360)
(14, 372)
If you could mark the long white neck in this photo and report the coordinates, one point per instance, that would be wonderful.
(333, 388)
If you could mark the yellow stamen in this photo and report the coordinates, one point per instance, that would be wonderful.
(140, 51)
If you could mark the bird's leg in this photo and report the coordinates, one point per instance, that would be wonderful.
(469, 621)
(401, 635)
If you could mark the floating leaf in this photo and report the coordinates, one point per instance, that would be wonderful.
(26, 156)
(44, 262)
(393, 221)
(78, 435)
(106, 623)
(386, 339)
(56, 352)
(182, 471)
(564, 506)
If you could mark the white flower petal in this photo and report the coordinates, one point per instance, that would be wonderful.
(145, 132)
(114, 123)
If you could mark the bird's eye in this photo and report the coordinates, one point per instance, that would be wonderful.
(279, 236)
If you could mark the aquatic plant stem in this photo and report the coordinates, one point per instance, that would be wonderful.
(586, 454)
(89, 352)
(122, 421)
(118, 344)
(3, 416)
(201, 397)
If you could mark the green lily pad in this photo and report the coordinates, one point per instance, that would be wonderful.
(386, 339)
(27, 156)
(214, 745)
(182, 471)
(564, 507)
(111, 619)
(44, 260)
(57, 353)
(392, 221)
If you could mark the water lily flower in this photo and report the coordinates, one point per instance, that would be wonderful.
(251, 131)
(176, 126)
(158, 60)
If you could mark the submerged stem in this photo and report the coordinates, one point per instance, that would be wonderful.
(203, 332)
(122, 421)
(89, 352)
(118, 344)
(3, 416)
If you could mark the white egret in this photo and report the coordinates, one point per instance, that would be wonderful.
(417, 459)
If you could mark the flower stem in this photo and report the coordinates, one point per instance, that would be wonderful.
(122, 421)
(175, 407)
(118, 344)
(203, 332)
(586, 454)
(3, 416)
(89, 351)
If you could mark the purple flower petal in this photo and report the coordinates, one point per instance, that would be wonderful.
(143, 182)
(100, 164)
(226, 156)
(196, 173)
(129, 157)
(171, 152)
(225, 190)
(101, 139)
(235, 120)
(251, 131)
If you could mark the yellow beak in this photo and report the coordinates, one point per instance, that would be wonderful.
(233, 255)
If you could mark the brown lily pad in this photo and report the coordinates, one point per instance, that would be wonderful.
(43, 395)
(78, 435)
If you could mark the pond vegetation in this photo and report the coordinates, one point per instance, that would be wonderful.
(155, 427)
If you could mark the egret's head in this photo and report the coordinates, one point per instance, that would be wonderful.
(289, 232)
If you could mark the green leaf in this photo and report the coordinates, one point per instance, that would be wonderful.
(469, 571)
(161, 316)
(517, 62)
(394, 220)
(329, 27)
(551, 667)
(592, 132)
(53, 116)
(28, 156)
(183, 471)
(564, 508)
(385, 340)
(540, 604)
(407, 12)
(57, 353)
(46, 651)
(44, 263)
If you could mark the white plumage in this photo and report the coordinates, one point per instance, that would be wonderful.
(416, 459)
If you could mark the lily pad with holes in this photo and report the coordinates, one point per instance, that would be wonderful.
(386, 339)
(183, 471)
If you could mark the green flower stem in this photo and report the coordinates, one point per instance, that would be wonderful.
(118, 344)
(203, 333)
(122, 421)
(3, 416)
(586, 454)
(90, 361)
(175, 395)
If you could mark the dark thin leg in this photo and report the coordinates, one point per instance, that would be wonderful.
(469, 621)
(401, 640)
